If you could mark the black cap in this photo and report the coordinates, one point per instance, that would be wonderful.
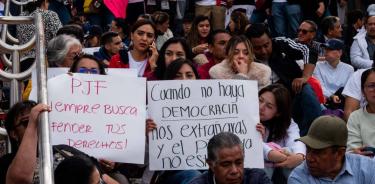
(333, 44)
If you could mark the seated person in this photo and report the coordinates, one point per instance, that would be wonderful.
(362, 49)
(333, 74)
(326, 158)
(80, 170)
(361, 122)
(278, 129)
(225, 158)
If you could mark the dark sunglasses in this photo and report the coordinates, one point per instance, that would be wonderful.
(23, 123)
(88, 70)
(304, 31)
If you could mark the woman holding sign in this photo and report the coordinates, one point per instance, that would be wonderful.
(143, 54)
(240, 64)
(278, 129)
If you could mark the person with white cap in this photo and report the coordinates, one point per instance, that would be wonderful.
(326, 157)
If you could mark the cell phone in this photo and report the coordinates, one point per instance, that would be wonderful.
(370, 149)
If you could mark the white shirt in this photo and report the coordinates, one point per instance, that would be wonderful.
(288, 141)
(353, 87)
(331, 78)
(139, 65)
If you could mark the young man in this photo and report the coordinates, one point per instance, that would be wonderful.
(216, 45)
(363, 47)
(332, 73)
(326, 157)
(111, 44)
(281, 54)
(225, 158)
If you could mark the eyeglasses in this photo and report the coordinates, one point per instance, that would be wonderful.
(304, 31)
(370, 86)
(23, 123)
(88, 70)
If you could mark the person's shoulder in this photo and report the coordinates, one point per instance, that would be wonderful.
(346, 66)
(256, 176)
(359, 163)
(300, 171)
(221, 71)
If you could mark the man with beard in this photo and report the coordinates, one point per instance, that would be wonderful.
(363, 47)
(326, 157)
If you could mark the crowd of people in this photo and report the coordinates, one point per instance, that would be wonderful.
(313, 62)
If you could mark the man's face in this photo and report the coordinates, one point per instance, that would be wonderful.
(218, 47)
(20, 126)
(336, 32)
(370, 26)
(305, 33)
(115, 46)
(322, 162)
(229, 166)
(262, 47)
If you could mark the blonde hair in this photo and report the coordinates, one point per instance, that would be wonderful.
(233, 42)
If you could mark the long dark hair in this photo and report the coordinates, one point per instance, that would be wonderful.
(193, 37)
(175, 66)
(161, 67)
(279, 124)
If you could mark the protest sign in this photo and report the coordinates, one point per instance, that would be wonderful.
(188, 113)
(101, 115)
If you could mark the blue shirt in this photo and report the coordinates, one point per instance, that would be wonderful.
(356, 169)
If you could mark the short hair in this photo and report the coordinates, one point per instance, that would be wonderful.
(220, 141)
(73, 30)
(58, 48)
(18, 109)
(175, 66)
(161, 67)
(328, 23)
(257, 30)
(74, 170)
(211, 38)
(354, 15)
(368, 17)
(107, 37)
(160, 17)
(313, 25)
(101, 65)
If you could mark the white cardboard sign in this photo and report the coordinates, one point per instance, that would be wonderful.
(101, 115)
(189, 113)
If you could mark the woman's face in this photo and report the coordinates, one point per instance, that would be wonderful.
(267, 106)
(369, 89)
(241, 53)
(185, 73)
(143, 37)
(75, 50)
(173, 52)
(204, 28)
(87, 65)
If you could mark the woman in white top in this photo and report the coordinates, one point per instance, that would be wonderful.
(278, 129)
